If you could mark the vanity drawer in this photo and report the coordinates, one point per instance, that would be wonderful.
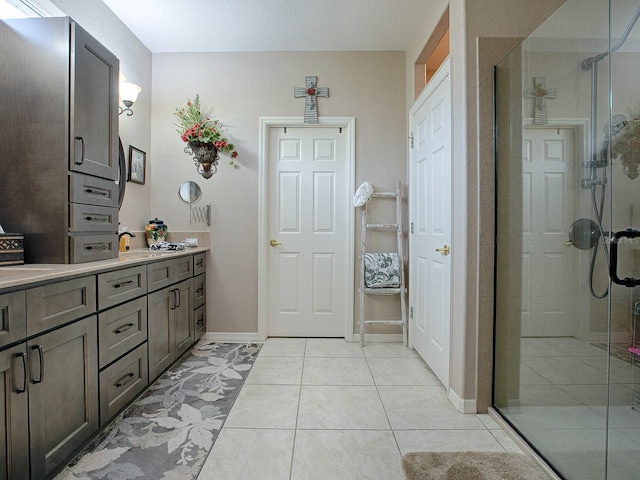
(88, 248)
(122, 382)
(53, 305)
(199, 290)
(200, 315)
(199, 263)
(183, 268)
(121, 285)
(92, 218)
(13, 318)
(121, 329)
(159, 274)
(92, 190)
(162, 274)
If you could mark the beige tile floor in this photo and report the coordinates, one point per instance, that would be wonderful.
(328, 409)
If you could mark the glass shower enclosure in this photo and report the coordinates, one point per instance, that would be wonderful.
(567, 302)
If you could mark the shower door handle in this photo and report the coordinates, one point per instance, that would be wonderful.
(613, 260)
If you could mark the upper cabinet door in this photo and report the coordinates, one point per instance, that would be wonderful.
(94, 106)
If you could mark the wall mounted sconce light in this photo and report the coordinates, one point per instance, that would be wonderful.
(128, 95)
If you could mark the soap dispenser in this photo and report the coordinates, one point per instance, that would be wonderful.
(125, 239)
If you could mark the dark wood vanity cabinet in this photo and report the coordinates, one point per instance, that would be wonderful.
(59, 137)
(75, 352)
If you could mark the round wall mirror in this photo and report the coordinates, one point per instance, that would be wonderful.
(189, 192)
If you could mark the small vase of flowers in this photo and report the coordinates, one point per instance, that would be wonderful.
(203, 136)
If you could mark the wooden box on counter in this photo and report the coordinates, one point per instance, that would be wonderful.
(11, 249)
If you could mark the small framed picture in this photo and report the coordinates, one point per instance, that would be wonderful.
(137, 165)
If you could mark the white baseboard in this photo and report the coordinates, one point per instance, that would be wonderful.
(461, 404)
(232, 337)
(379, 337)
(255, 337)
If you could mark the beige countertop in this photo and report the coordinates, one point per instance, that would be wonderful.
(20, 275)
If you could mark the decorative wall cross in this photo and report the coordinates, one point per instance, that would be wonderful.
(311, 92)
(540, 93)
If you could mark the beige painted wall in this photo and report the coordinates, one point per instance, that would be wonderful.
(135, 62)
(376, 88)
(241, 88)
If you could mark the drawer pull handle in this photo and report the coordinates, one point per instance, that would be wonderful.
(123, 284)
(199, 263)
(124, 380)
(40, 349)
(200, 290)
(102, 246)
(200, 321)
(120, 330)
(95, 192)
(96, 219)
(24, 372)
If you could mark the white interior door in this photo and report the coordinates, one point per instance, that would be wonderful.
(308, 278)
(430, 218)
(548, 266)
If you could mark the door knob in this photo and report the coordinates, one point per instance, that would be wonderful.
(274, 243)
(444, 250)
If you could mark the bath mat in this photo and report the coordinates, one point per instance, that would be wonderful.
(471, 466)
(168, 432)
(618, 351)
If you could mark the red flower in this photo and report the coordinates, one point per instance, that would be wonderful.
(234, 154)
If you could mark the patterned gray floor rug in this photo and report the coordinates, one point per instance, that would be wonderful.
(169, 431)
(471, 466)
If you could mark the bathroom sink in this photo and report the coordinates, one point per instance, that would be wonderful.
(25, 269)
(145, 254)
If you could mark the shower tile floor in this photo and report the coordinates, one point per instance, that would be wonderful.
(562, 408)
(329, 409)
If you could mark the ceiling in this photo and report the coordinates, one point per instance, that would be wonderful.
(271, 25)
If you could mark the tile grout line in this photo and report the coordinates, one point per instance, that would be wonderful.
(295, 429)
(395, 439)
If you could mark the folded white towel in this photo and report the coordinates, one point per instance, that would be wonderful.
(168, 246)
(363, 194)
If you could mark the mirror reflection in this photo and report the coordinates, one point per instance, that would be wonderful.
(190, 192)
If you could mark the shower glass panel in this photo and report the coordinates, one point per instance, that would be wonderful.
(567, 338)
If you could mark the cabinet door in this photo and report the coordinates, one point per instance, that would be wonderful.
(161, 336)
(183, 317)
(63, 393)
(94, 103)
(14, 431)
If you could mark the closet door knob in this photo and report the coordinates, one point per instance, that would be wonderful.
(274, 243)
(444, 250)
